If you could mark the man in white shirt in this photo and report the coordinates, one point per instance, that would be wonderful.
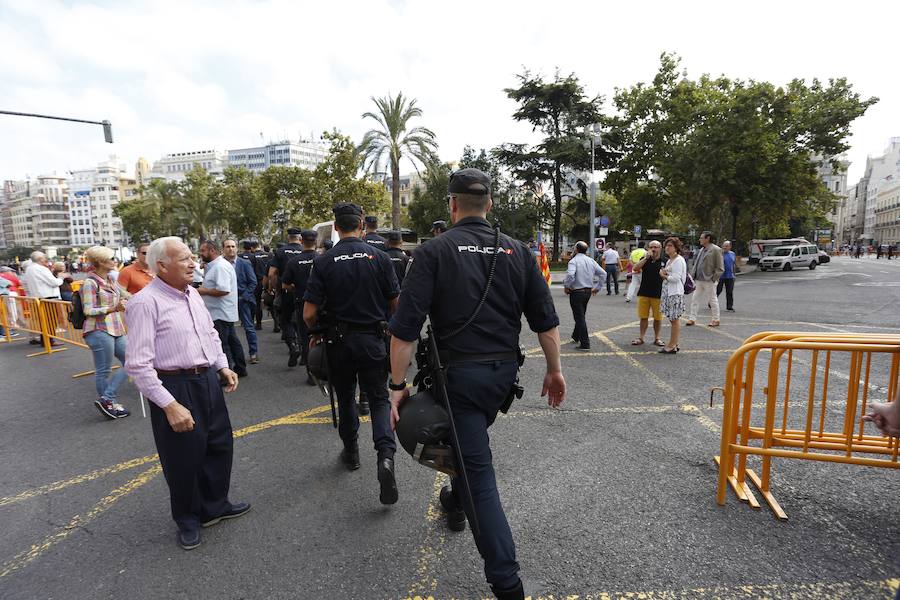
(579, 285)
(40, 282)
(219, 292)
(611, 264)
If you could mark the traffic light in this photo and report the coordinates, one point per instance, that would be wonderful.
(107, 131)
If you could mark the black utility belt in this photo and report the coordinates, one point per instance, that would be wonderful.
(379, 328)
(449, 356)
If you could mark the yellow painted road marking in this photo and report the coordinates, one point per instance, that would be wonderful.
(23, 558)
(429, 553)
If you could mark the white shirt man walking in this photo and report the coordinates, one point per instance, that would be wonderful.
(580, 286)
(611, 264)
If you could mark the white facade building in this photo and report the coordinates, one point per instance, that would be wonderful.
(174, 167)
(81, 223)
(35, 212)
(306, 155)
(887, 211)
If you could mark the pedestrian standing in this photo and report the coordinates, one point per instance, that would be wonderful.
(246, 286)
(727, 279)
(446, 281)
(890, 252)
(674, 275)
(706, 270)
(648, 295)
(41, 283)
(579, 285)
(219, 292)
(637, 255)
(357, 283)
(284, 301)
(137, 275)
(104, 329)
(611, 265)
(174, 357)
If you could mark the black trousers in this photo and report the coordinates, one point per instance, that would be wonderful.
(258, 311)
(288, 318)
(728, 284)
(360, 356)
(578, 300)
(196, 464)
(476, 392)
(231, 345)
(612, 278)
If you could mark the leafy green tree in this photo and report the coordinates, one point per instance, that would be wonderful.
(727, 152)
(150, 214)
(429, 203)
(198, 208)
(394, 140)
(559, 110)
(337, 181)
(244, 206)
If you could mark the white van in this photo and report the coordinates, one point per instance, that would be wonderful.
(762, 248)
(326, 231)
(786, 258)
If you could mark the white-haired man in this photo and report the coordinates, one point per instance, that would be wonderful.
(173, 356)
(40, 282)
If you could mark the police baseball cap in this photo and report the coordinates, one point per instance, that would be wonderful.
(373, 221)
(309, 235)
(442, 225)
(347, 208)
(470, 181)
(393, 236)
(294, 231)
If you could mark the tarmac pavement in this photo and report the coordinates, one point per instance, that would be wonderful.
(612, 496)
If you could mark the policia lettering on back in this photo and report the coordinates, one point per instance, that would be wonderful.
(446, 281)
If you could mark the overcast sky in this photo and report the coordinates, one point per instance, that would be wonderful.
(185, 75)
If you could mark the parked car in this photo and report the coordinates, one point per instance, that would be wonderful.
(787, 258)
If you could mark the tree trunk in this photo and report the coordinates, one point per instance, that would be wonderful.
(395, 195)
(557, 209)
(734, 219)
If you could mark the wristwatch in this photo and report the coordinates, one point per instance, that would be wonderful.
(396, 387)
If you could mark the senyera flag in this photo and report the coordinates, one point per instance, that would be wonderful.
(545, 264)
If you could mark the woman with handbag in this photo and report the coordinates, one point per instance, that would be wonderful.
(674, 275)
(104, 329)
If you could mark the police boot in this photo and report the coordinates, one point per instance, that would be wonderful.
(517, 592)
(350, 455)
(363, 405)
(456, 516)
(386, 478)
(294, 349)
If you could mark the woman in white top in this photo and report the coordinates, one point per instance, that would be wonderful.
(672, 300)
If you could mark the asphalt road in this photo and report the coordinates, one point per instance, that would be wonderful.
(609, 497)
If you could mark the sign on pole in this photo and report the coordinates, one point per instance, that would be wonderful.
(604, 221)
(637, 231)
(601, 243)
(604, 231)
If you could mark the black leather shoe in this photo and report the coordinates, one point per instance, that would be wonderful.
(350, 457)
(387, 480)
(234, 512)
(294, 356)
(517, 592)
(189, 539)
(456, 519)
(448, 500)
(276, 329)
(363, 407)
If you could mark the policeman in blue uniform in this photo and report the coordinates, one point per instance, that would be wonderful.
(276, 269)
(357, 285)
(372, 236)
(398, 256)
(438, 227)
(260, 261)
(293, 282)
(447, 279)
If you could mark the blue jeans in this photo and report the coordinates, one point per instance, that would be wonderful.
(105, 347)
(246, 312)
(477, 391)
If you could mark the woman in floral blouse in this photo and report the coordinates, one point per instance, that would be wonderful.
(104, 329)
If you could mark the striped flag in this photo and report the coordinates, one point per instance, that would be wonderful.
(545, 264)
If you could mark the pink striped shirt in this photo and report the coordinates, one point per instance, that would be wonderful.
(168, 329)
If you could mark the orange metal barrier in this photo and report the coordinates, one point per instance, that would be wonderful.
(24, 313)
(835, 435)
(56, 316)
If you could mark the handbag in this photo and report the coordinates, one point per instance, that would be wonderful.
(689, 285)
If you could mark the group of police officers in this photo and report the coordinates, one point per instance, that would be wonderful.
(367, 302)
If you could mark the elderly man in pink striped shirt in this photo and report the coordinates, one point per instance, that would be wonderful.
(173, 356)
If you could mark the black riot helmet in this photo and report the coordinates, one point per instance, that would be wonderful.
(424, 432)
(315, 362)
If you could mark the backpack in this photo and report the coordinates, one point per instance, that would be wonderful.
(77, 316)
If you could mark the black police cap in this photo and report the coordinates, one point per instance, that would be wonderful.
(247, 244)
(470, 181)
(309, 235)
(347, 208)
(294, 231)
(370, 220)
(393, 236)
(442, 225)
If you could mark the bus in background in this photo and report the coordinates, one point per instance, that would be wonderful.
(761, 248)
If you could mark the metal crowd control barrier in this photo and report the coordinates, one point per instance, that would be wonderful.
(836, 436)
(23, 313)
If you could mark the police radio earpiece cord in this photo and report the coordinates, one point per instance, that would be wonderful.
(487, 288)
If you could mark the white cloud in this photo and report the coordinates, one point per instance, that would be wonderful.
(175, 75)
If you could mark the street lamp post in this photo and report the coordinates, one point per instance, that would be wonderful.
(593, 132)
(107, 126)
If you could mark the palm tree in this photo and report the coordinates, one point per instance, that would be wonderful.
(392, 141)
(197, 206)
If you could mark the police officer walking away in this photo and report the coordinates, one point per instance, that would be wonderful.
(447, 280)
(293, 282)
(372, 236)
(398, 257)
(279, 263)
(259, 258)
(357, 285)
(438, 227)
